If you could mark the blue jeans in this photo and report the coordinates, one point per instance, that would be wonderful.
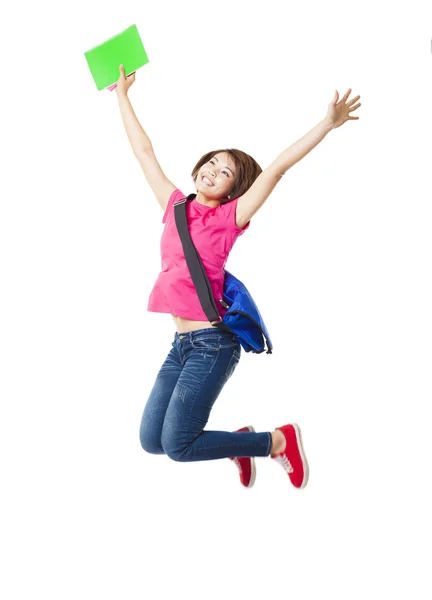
(186, 387)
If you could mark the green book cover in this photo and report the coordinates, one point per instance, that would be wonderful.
(104, 60)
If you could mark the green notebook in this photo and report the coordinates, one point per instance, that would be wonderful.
(104, 60)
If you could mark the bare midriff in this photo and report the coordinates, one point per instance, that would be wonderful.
(185, 325)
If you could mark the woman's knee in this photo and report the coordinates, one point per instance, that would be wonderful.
(150, 442)
(177, 454)
(177, 447)
(172, 447)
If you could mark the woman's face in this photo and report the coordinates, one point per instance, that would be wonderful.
(220, 172)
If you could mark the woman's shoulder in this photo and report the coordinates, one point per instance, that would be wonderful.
(229, 215)
(175, 196)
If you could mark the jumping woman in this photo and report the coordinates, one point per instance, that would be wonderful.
(230, 188)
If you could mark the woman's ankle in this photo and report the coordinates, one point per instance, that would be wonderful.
(278, 443)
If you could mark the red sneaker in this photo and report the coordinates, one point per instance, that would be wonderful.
(246, 465)
(293, 459)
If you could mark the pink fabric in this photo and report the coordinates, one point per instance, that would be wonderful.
(213, 232)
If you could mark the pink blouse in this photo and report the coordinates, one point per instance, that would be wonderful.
(213, 232)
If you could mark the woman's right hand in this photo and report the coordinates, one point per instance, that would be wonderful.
(124, 83)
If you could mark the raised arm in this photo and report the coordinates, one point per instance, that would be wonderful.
(257, 194)
(141, 145)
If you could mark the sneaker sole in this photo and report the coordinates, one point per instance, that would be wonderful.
(253, 466)
(303, 457)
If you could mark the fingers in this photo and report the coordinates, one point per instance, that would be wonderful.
(130, 77)
(351, 102)
(121, 77)
(354, 107)
(346, 95)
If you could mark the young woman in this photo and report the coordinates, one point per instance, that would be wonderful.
(231, 187)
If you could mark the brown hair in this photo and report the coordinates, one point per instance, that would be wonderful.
(247, 170)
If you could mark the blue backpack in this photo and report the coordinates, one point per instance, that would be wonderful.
(243, 318)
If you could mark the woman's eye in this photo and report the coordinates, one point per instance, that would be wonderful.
(211, 162)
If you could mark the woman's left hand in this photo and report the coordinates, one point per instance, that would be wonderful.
(338, 112)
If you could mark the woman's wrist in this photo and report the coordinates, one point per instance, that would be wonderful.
(327, 124)
(121, 95)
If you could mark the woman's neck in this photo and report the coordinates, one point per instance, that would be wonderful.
(201, 199)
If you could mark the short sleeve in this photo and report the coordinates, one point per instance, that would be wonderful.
(175, 196)
(228, 215)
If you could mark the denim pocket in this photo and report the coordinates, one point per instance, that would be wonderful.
(234, 361)
(206, 343)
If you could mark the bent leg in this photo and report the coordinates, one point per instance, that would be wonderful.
(202, 379)
(157, 403)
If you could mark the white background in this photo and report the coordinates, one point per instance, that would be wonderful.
(338, 261)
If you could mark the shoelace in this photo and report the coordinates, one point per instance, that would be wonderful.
(285, 463)
(237, 462)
